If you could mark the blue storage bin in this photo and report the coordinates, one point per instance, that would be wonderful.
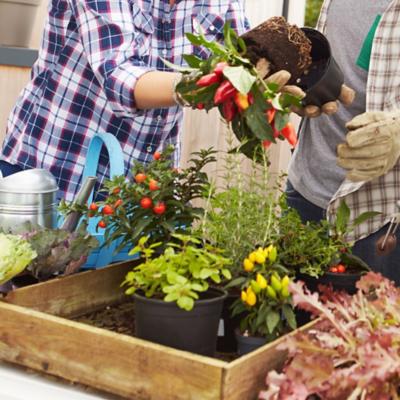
(103, 256)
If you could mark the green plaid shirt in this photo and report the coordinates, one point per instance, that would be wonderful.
(383, 93)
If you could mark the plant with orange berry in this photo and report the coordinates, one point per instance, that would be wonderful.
(265, 302)
(155, 201)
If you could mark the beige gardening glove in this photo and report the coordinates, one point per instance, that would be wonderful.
(372, 145)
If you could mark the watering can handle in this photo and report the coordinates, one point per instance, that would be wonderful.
(115, 155)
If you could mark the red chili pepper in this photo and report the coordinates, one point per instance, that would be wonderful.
(267, 143)
(289, 133)
(270, 113)
(208, 80)
(242, 101)
(224, 92)
(229, 110)
(219, 68)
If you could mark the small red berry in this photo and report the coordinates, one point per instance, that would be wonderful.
(333, 269)
(341, 268)
(116, 190)
(153, 185)
(157, 155)
(93, 207)
(159, 208)
(101, 224)
(108, 210)
(140, 178)
(146, 202)
(200, 106)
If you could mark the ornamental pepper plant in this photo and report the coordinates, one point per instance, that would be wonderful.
(155, 202)
(256, 111)
(265, 302)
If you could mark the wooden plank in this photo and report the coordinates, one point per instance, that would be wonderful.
(73, 295)
(112, 362)
(245, 377)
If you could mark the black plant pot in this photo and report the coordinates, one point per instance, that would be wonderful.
(167, 324)
(226, 341)
(344, 282)
(324, 79)
(247, 344)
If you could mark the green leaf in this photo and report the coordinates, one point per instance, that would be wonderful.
(177, 67)
(259, 125)
(171, 297)
(290, 317)
(365, 216)
(273, 319)
(342, 217)
(185, 302)
(241, 78)
(192, 60)
(281, 120)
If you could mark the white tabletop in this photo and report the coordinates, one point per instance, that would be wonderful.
(17, 383)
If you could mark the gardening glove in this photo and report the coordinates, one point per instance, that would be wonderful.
(281, 78)
(372, 145)
(346, 97)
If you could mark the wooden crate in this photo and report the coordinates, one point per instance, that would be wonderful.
(35, 332)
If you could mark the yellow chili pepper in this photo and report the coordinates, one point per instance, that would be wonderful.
(260, 258)
(271, 292)
(243, 296)
(251, 297)
(262, 282)
(255, 286)
(285, 292)
(252, 256)
(285, 281)
(276, 283)
(273, 254)
(242, 101)
(248, 265)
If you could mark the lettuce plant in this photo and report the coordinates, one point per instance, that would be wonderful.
(353, 353)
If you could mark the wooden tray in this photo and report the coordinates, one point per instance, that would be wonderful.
(35, 332)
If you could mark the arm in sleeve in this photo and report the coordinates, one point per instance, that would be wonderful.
(236, 15)
(112, 36)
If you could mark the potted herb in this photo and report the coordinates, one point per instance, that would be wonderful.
(155, 202)
(265, 304)
(175, 301)
(319, 252)
(353, 353)
(240, 214)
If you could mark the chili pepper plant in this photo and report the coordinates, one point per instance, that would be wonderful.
(265, 302)
(155, 202)
(255, 110)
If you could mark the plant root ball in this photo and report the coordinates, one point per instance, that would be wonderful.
(285, 46)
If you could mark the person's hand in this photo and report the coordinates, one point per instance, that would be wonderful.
(372, 145)
(346, 97)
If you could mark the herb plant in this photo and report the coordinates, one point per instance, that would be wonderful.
(353, 353)
(182, 272)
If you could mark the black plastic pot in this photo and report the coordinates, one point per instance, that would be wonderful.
(324, 79)
(345, 281)
(167, 324)
(226, 341)
(247, 344)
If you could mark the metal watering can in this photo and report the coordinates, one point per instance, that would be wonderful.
(28, 196)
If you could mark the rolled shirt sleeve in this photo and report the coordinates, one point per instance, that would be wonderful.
(115, 37)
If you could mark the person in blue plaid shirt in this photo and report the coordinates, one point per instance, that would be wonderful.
(100, 69)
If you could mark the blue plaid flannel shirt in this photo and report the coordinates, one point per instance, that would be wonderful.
(92, 54)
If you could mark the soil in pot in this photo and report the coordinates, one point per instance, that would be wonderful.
(285, 46)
